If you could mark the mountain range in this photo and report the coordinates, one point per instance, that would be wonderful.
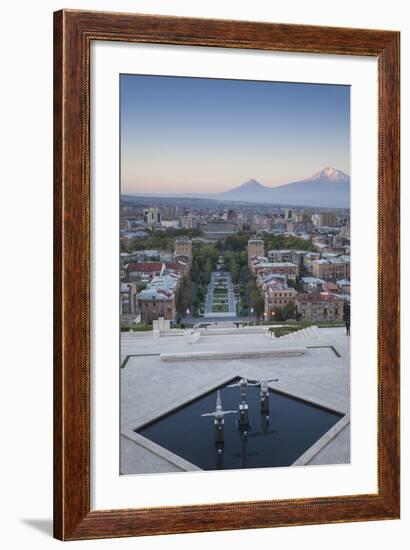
(326, 188)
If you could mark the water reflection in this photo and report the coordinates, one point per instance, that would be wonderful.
(254, 427)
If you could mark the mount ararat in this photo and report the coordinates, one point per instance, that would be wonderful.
(327, 188)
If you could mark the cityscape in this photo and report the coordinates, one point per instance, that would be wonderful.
(193, 263)
(235, 305)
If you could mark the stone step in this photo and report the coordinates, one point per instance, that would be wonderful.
(308, 333)
(220, 355)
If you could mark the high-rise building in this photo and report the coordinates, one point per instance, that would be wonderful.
(243, 219)
(152, 216)
(302, 217)
(229, 214)
(324, 219)
(189, 221)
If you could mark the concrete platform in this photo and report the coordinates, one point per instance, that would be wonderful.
(151, 386)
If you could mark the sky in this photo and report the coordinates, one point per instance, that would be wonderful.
(205, 135)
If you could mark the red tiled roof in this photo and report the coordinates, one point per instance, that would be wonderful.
(176, 266)
(331, 286)
(148, 267)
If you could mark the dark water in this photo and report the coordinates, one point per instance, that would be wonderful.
(293, 426)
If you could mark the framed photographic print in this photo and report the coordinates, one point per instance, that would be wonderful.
(226, 275)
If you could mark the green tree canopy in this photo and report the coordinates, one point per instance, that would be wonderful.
(291, 242)
(183, 297)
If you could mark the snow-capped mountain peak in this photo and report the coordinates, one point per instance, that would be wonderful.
(330, 174)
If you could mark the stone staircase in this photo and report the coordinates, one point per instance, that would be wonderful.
(308, 333)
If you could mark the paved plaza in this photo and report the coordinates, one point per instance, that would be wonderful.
(161, 373)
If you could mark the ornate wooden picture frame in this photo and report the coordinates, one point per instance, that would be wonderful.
(74, 32)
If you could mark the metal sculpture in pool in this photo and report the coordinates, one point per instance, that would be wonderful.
(218, 416)
(269, 429)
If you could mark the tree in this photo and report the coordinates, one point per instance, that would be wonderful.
(208, 270)
(243, 258)
(288, 311)
(237, 242)
(249, 287)
(257, 302)
(234, 269)
(291, 242)
(245, 275)
(140, 286)
(200, 295)
(278, 314)
(183, 297)
(204, 261)
(227, 260)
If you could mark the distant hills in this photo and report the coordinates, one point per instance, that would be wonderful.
(327, 188)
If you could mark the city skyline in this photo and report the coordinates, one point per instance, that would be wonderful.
(183, 134)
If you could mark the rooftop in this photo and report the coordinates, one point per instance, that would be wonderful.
(160, 288)
(183, 240)
(125, 287)
(147, 267)
(266, 278)
(333, 260)
(287, 251)
(312, 280)
(275, 285)
(273, 264)
(331, 286)
(322, 297)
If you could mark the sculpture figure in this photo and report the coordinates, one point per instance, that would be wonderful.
(219, 415)
(264, 392)
(243, 385)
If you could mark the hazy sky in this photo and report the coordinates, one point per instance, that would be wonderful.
(209, 135)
